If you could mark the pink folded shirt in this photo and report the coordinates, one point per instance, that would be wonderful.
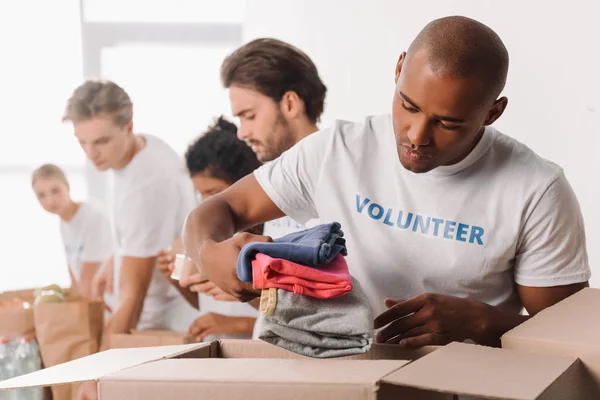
(325, 282)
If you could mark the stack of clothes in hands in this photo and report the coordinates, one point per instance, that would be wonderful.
(311, 304)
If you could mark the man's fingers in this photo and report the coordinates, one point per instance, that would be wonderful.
(399, 310)
(203, 334)
(426, 339)
(399, 327)
(192, 280)
(214, 291)
(196, 327)
(202, 287)
(389, 303)
(224, 297)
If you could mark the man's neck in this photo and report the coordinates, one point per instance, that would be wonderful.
(303, 130)
(136, 145)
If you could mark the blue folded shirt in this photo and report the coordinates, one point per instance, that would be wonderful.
(311, 247)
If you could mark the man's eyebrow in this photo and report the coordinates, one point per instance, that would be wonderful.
(439, 117)
(242, 112)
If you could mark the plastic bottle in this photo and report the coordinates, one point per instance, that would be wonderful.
(7, 366)
(26, 360)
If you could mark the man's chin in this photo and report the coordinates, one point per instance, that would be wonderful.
(416, 168)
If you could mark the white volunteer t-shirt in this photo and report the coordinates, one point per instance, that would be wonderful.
(502, 215)
(152, 196)
(86, 237)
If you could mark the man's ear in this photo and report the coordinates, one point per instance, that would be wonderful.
(496, 111)
(399, 65)
(291, 105)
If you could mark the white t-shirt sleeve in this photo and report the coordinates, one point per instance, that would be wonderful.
(148, 220)
(97, 239)
(552, 249)
(291, 180)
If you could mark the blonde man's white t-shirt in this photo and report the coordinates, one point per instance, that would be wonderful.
(152, 196)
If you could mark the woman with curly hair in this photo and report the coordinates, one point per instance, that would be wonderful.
(215, 161)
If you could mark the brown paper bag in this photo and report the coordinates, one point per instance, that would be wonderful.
(148, 338)
(16, 319)
(66, 331)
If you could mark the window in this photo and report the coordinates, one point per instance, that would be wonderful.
(41, 65)
(165, 53)
(167, 56)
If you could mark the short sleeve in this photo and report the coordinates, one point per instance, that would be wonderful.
(291, 180)
(552, 248)
(97, 239)
(148, 219)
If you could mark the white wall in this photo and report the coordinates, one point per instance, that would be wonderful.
(553, 85)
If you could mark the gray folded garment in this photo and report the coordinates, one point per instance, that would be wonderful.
(318, 328)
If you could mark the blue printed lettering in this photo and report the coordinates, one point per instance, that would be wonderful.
(386, 220)
(449, 229)
(379, 211)
(408, 220)
(360, 206)
(420, 222)
(462, 232)
(476, 234)
(436, 222)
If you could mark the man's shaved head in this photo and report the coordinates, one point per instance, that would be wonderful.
(462, 47)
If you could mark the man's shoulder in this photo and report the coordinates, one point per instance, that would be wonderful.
(344, 135)
(521, 161)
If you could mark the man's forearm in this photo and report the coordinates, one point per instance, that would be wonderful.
(188, 295)
(123, 319)
(494, 323)
(211, 220)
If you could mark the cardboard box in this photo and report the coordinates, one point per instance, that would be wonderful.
(149, 338)
(569, 328)
(248, 370)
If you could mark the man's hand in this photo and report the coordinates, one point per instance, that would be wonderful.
(210, 289)
(165, 262)
(103, 280)
(217, 261)
(218, 324)
(435, 319)
(88, 391)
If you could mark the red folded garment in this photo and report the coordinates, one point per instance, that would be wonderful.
(325, 282)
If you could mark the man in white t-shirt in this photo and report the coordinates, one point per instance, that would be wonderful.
(451, 226)
(278, 96)
(151, 197)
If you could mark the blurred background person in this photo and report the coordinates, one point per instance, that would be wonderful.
(84, 226)
(215, 161)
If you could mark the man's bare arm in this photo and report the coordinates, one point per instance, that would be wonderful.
(134, 280)
(88, 271)
(208, 229)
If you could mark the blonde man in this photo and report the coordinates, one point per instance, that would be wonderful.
(152, 196)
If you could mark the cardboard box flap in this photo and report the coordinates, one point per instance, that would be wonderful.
(238, 348)
(261, 371)
(97, 365)
(472, 370)
(576, 326)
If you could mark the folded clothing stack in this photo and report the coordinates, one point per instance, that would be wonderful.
(312, 247)
(311, 305)
(337, 327)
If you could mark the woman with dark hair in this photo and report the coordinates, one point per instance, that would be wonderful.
(215, 161)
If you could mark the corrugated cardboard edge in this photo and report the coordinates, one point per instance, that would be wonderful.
(238, 348)
(60, 374)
